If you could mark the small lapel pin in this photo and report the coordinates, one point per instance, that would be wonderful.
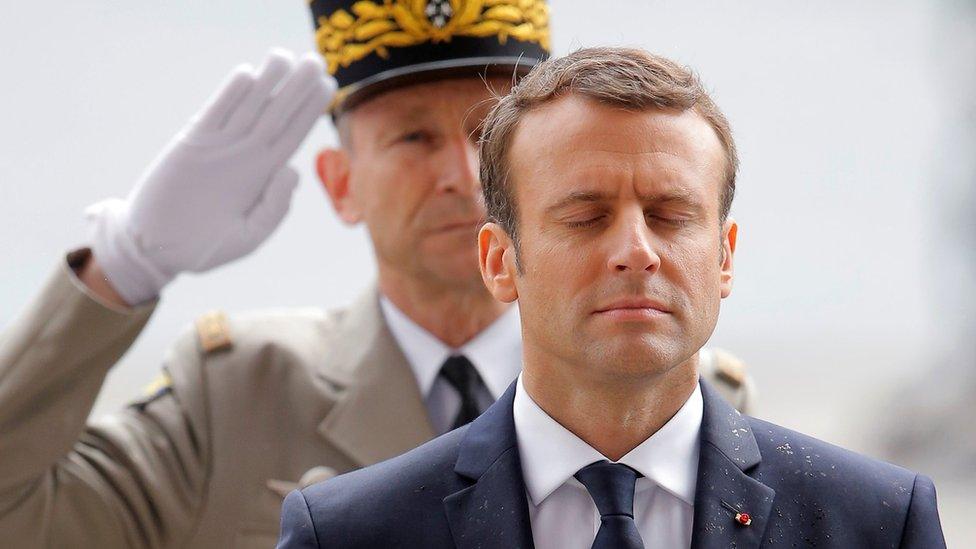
(742, 518)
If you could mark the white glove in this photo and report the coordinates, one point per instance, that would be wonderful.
(220, 187)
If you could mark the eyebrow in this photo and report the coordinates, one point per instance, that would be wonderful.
(416, 114)
(667, 198)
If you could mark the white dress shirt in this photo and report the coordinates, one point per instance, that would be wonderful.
(496, 354)
(561, 511)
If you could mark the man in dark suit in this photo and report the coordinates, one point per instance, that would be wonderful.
(608, 177)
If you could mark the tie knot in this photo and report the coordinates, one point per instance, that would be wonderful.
(460, 373)
(611, 485)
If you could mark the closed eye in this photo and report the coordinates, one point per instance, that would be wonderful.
(673, 221)
(585, 222)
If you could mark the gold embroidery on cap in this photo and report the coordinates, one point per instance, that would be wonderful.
(344, 37)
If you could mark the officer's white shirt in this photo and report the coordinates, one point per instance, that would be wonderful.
(496, 354)
(562, 514)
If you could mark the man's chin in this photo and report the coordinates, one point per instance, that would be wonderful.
(450, 261)
(455, 273)
(637, 356)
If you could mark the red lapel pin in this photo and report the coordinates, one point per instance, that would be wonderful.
(745, 519)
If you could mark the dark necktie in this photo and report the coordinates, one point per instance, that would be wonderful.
(611, 485)
(460, 373)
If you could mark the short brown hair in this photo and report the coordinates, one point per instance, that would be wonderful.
(628, 78)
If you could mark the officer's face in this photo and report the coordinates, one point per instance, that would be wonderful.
(411, 169)
(621, 243)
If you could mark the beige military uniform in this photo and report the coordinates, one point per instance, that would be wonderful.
(246, 410)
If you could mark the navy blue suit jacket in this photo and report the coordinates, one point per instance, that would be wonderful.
(465, 489)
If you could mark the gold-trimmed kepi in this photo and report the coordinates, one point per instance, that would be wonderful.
(371, 46)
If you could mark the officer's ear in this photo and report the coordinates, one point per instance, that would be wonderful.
(730, 231)
(496, 255)
(332, 165)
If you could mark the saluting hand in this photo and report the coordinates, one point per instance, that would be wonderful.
(220, 187)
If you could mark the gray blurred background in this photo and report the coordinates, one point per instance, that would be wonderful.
(856, 275)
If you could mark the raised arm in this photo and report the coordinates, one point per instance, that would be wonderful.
(137, 478)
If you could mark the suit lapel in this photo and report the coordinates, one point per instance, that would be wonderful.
(492, 512)
(382, 413)
(728, 451)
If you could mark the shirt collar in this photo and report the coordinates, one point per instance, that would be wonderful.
(496, 352)
(551, 454)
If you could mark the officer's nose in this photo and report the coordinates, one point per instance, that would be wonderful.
(459, 165)
(632, 244)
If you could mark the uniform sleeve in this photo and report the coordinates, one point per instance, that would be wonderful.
(923, 530)
(132, 479)
(297, 530)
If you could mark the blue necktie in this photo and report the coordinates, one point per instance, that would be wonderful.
(611, 485)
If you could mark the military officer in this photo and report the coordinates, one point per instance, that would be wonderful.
(248, 408)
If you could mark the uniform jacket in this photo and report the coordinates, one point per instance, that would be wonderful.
(247, 410)
(465, 489)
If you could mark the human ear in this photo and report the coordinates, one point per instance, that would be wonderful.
(730, 230)
(332, 166)
(496, 256)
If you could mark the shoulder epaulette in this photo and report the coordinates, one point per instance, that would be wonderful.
(729, 368)
(213, 332)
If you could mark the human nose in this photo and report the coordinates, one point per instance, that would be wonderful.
(632, 246)
(459, 166)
